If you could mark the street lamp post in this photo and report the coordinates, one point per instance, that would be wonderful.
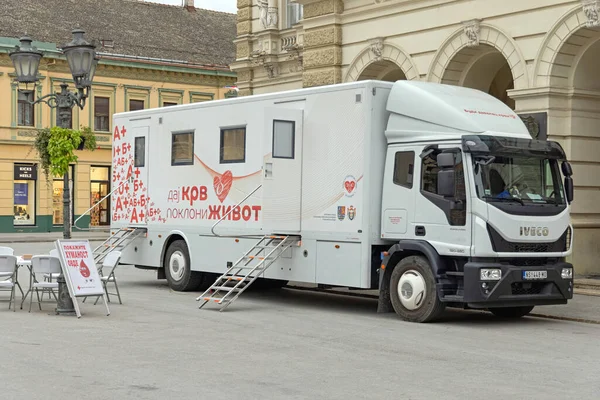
(82, 59)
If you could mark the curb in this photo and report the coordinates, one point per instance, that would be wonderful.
(48, 240)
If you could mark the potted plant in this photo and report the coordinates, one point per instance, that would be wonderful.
(56, 148)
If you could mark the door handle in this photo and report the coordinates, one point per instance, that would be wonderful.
(268, 170)
(420, 230)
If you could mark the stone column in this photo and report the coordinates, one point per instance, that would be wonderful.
(243, 43)
(322, 57)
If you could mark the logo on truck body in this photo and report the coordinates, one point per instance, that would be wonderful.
(534, 231)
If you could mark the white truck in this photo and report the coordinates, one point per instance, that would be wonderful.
(435, 195)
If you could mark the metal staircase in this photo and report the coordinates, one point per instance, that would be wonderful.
(117, 241)
(229, 286)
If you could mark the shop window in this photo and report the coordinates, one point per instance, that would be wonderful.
(283, 139)
(99, 189)
(403, 168)
(182, 148)
(24, 194)
(233, 145)
(102, 114)
(135, 105)
(25, 109)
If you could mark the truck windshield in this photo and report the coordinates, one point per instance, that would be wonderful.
(520, 179)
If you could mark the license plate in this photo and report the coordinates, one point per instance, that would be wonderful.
(530, 275)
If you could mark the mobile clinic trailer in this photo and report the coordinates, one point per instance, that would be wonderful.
(436, 195)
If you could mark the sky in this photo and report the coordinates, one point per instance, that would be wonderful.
(217, 5)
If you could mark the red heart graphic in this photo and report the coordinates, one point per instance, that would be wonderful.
(84, 270)
(222, 185)
(349, 185)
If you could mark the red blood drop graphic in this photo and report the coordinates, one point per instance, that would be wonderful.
(84, 270)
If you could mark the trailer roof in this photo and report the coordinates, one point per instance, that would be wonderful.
(448, 108)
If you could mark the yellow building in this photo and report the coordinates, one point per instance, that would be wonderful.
(153, 65)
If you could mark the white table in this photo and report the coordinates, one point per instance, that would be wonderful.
(23, 263)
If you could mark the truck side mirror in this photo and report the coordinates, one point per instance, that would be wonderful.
(445, 160)
(567, 170)
(569, 188)
(446, 183)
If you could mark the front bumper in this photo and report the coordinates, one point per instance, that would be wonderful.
(512, 290)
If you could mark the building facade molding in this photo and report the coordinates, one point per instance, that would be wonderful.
(583, 16)
(379, 50)
(487, 35)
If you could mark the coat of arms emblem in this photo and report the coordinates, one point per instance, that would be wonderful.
(341, 212)
(351, 212)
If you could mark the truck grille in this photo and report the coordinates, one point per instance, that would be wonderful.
(529, 262)
(501, 245)
(522, 289)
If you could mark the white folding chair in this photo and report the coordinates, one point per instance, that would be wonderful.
(6, 251)
(111, 261)
(8, 269)
(51, 277)
(44, 264)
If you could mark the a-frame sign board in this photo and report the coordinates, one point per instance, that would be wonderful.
(80, 272)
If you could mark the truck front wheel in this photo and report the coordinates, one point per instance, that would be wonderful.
(178, 269)
(511, 312)
(412, 290)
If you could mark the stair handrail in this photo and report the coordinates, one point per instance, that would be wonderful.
(97, 204)
(212, 229)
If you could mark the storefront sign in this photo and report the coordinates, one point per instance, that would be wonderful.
(25, 172)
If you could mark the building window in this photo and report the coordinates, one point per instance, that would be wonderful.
(284, 133)
(294, 13)
(24, 194)
(57, 197)
(102, 114)
(169, 104)
(233, 145)
(139, 156)
(26, 109)
(135, 105)
(99, 189)
(182, 148)
(403, 168)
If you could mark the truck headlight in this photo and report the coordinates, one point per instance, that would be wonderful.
(567, 273)
(490, 274)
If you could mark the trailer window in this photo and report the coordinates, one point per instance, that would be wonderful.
(284, 134)
(233, 145)
(182, 148)
(403, 168)
(139, 154)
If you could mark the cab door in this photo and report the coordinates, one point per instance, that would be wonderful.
(442, 220)
(399, 193)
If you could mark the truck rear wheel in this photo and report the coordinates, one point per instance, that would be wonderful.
(412, 291)
(178, 269)
(511, 312)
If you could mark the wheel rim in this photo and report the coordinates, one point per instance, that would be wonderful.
(177, 265)
(411, 290)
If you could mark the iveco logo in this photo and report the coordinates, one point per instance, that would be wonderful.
(534, 231)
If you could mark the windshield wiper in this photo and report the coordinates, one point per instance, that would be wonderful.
(511, 199)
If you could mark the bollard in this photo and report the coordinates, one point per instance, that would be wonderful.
(64, 304)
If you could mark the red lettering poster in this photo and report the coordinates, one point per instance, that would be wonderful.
(79, 268)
